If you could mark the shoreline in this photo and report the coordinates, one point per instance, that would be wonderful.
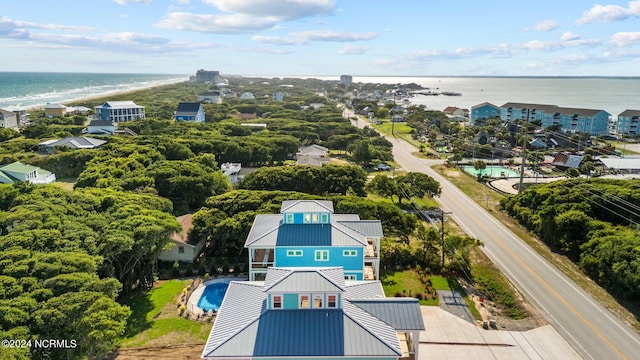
(76, 101)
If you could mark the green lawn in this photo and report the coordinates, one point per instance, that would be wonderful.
(407, 283)
(154, 318)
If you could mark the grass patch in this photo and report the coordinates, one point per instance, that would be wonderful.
(155, 320)
(439, 282)
(408, 283)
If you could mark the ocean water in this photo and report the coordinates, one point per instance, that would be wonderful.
(26, 89)
(612, 94)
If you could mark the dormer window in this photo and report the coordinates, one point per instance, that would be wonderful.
(305, 302)
(276, 301)
(317, 301)
(332, 301)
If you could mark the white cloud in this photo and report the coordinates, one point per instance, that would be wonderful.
(354, 50)
(546, 25)
(328, 35)
(219, 24)
(304, 37)
(609, 13)
(281, 9)
(125, 2)
(277, 40)
(569, 36)
(623, 39)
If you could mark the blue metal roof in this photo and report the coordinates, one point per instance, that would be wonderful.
(304, 235)
(245, 328)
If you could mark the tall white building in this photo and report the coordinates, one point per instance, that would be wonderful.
(120, 111)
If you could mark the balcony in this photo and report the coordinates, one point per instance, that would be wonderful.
(262, 258)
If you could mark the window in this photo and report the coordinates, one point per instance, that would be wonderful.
(350, 253)
(289, 218)
(315, 218)
(332, 301)
(324, 218)
(294, 252)
(307, 218)
(181, 249)
(322, 255)
(277, 301)
(304, 302)
(350, 277)
(317, 301)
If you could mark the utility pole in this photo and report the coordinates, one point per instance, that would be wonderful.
(442, 214)
(524, 153)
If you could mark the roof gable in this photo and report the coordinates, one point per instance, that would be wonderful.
(188, 108)
(305, 280)
(302, 206)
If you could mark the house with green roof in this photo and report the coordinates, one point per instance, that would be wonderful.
(313, 313)
(17, 171)
(307, 233)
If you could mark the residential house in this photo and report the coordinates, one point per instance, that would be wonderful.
(211, 96)
(456, 113)
(54, 110)
(120, 111)
(102, 127)
(181, 247)
(565, 161)
(247, 96)
(8, 119)
(244, 116)
(627, 123)
(483, 111)
(277, 96)
(314, 155)
(313, 313)
(397, 118)
(21, 114)
(232, 171)
(18, 171)
(572, 120)
(307, 233)
(73, 143)
(189, 111)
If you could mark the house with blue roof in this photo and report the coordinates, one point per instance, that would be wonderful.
(307, 233)
(313, 313)
(189, 111)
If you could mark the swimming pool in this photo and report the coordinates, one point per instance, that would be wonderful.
(492, 171)
(212, 296)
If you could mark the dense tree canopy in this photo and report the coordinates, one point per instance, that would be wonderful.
(594, 222)
(66, 257)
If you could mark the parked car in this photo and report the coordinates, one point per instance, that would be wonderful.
(383, 167)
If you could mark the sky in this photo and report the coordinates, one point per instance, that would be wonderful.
(323, 37)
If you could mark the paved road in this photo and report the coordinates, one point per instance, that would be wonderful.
(587, 326)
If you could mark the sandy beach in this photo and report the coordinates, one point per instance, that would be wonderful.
(84, 99)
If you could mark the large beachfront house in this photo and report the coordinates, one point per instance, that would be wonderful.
(307, 233)
(120, 111)
(189, 111)
(313, 313)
